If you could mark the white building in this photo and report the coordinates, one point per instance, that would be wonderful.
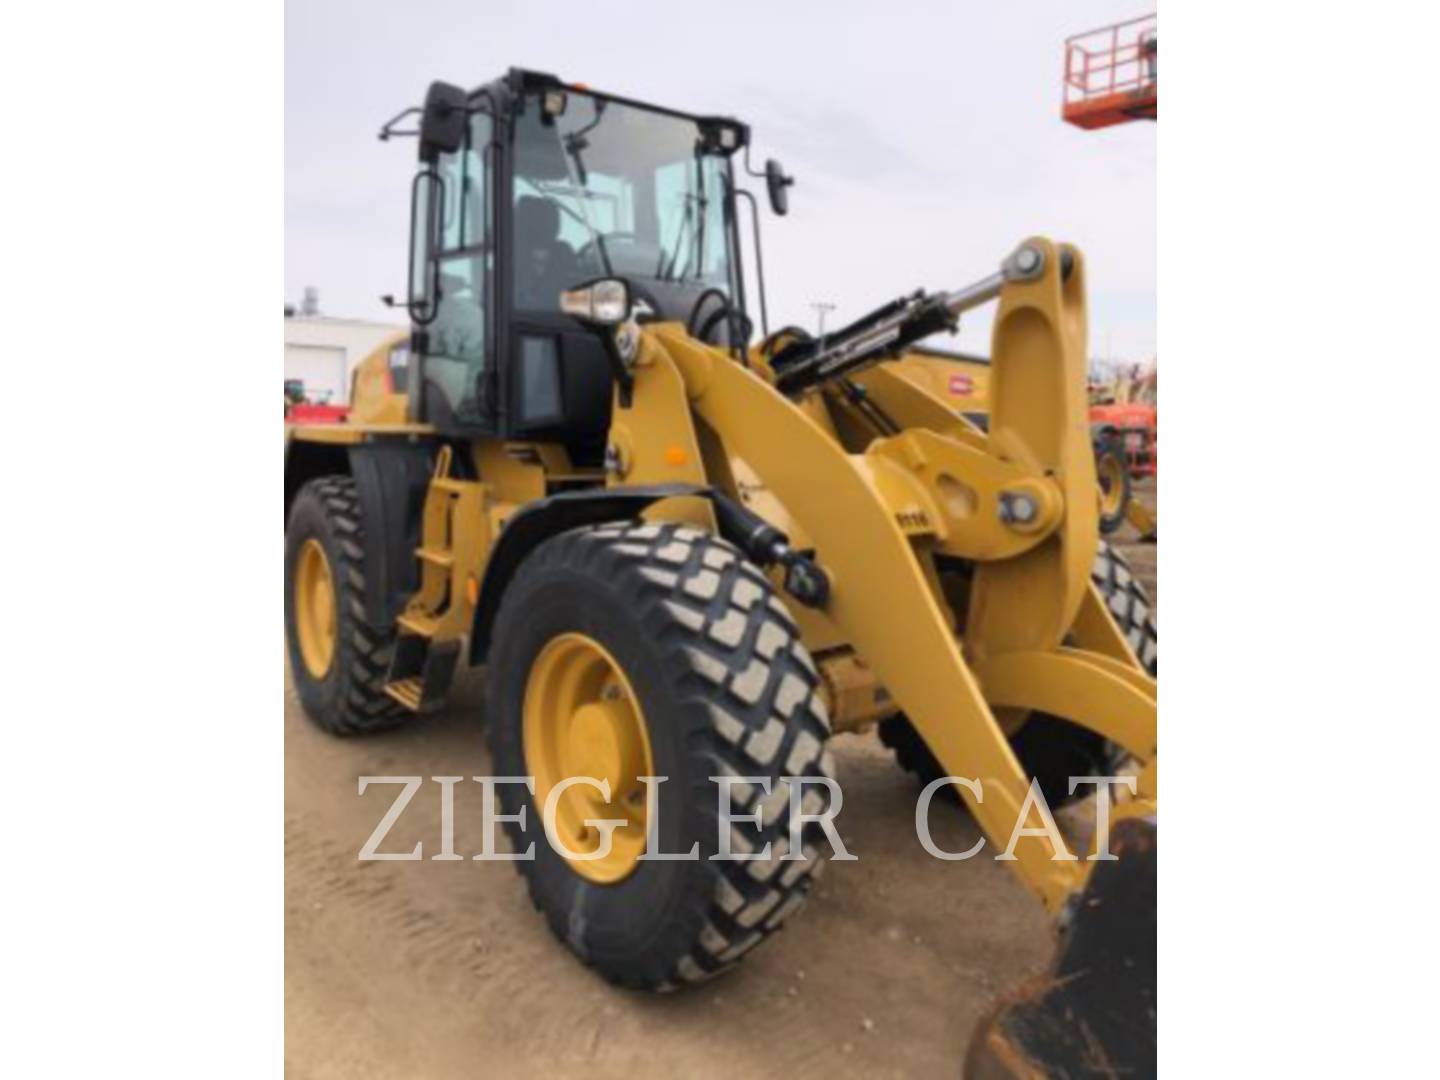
(322, 351)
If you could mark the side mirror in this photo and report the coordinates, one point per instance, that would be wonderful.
(442, 128)
(427, 195)
(776, 182)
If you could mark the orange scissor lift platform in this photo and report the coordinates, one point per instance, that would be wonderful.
(1110, 75)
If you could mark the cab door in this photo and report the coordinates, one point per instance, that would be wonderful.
(452, 287)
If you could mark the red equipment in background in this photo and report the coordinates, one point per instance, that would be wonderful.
(1124, 408)
(315, 414)
(1110, 78)
(1134, 423)
(299, 409)
(1110, 75)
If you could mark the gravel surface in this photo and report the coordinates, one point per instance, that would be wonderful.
(440, 969)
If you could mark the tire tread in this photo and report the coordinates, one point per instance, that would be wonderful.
(741, 664)
(361, 705)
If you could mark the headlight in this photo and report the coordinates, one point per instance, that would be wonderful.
(605, 302)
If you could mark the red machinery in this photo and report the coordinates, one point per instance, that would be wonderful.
(305, 413)
(1110, 75)
(1134, 424)
(1110, 78)
(300, 409)
(1124, 409)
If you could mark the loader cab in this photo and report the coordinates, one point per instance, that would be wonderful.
(528, 187)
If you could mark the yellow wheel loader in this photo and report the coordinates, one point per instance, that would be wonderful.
(683, 556)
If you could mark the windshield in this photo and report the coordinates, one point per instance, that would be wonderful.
(611, 189)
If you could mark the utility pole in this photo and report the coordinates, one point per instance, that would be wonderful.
(822, 308)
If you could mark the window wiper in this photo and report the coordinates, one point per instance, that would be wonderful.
(695, 250)
(691, 228)
(576, 141)
(573, 144)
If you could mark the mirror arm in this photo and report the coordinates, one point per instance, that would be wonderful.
(759, 257)
(388, 129)
(750, 169)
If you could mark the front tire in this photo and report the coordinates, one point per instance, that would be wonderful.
(724, 687)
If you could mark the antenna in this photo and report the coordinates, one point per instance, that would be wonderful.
(821, 308)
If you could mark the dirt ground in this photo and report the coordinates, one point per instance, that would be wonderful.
(443, 969)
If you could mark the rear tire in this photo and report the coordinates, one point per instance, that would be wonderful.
(349, 698)
(1051, 749)
(725, 687)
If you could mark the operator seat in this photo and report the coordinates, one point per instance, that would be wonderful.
(457, 335)
(544, 264)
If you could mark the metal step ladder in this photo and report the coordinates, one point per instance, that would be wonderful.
(433, 625)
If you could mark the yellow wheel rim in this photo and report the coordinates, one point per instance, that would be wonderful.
(582, 718)
(315, 619)
(1110, 472)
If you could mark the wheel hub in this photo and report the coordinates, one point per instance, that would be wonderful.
(316, 624)
(1112, 483)
(581, 717)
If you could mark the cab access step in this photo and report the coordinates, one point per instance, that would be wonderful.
(433, 624)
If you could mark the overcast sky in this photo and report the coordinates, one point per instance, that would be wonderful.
(925, 138)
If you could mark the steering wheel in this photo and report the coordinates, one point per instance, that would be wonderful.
(735, 320)
(595, 249)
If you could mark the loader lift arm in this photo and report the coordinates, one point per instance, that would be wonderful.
(1031, 578)
(1019, 502)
